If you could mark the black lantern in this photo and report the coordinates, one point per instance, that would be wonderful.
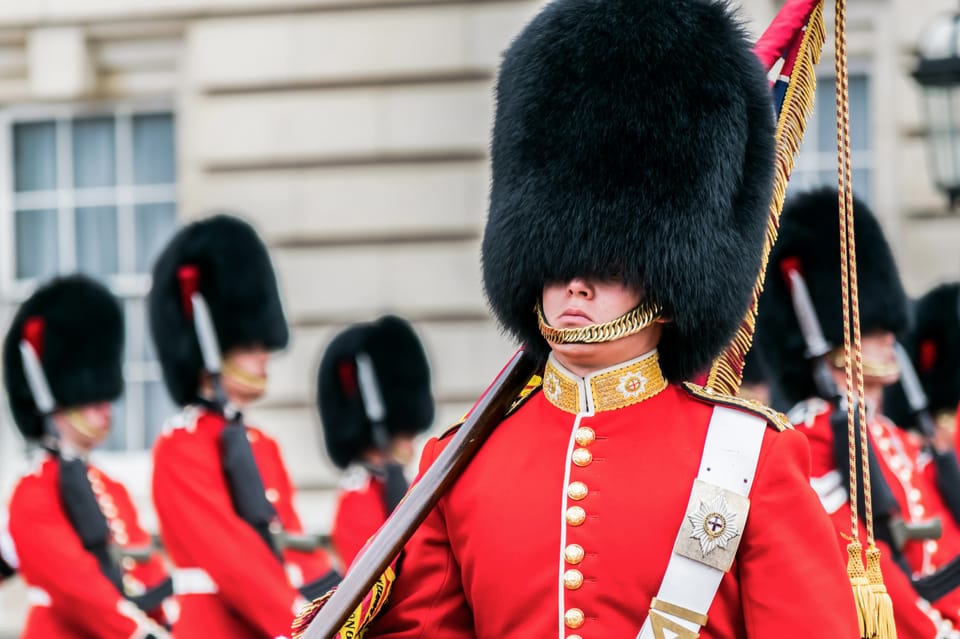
(938, 74)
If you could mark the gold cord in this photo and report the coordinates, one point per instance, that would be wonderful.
(630, 323)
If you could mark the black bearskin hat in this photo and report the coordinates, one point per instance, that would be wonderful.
(632, 137)
(234, 274)
(933, 343)
(402, 378)
(77, 326)
(810, 239)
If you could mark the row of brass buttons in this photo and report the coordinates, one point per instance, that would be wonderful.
(573, 554)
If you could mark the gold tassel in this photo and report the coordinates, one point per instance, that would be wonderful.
(886, 625)
(862, 593)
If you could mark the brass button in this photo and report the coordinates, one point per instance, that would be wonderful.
(582, 457)
(128, 563)
(576, 515)
(272, 495)
(121, 537)
(572, 579)
(97, 486)
(573, 618)
(117, 525)
(585, 436)
(574, 637)
(109, 510)
(573, 554)
(577, 490)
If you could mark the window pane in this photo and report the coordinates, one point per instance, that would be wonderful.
(862, 183)
(824, 116)
(36, 243)
(117, 440)
(35, 156)
(96, 229)
(859, 113)
(157, 408)
(94, 152)
(153, 149)
(154, 225)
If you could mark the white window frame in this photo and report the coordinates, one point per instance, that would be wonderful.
(820, 160)
(124, 195)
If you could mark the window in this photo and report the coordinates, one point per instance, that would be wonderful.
(95, 192)
(817, 162)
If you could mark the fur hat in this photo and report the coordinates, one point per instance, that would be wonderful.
(810, 236)
(632, 137)
(235, 277)
(77, 326)
(933, 343)
(402, 378)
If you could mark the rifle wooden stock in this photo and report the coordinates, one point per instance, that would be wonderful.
(424, 495)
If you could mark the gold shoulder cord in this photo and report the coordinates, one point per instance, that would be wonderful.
(775, 418)
(874, 605)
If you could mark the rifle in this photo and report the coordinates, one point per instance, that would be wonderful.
(423, 496)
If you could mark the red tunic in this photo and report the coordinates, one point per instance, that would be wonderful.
(360, 512)
(492, 560)
(251, 595)
(912, 480)
(69, 595)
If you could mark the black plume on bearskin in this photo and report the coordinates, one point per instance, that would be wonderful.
(235, 277)
(403, 382)
(632, 138)
(810, 236)
(81, 348)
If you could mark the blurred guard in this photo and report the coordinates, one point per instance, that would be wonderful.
(374, 398)
(933, 343)
(222, 493)
(632, 162)
(911, 525)
(89, 566)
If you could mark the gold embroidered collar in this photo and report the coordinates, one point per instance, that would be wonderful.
(608, 389)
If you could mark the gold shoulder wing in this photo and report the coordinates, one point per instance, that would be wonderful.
(777, 420)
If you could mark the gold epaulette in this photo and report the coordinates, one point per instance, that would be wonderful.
(533, 384)
(774, 418)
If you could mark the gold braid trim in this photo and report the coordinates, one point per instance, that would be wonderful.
(630, 323)
(777, 420)
(727, 370)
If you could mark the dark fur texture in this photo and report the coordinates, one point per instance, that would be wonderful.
(239, 285)
(403, 377)
(632, 137)
(810, 233)
(81, 353)
(933, 342)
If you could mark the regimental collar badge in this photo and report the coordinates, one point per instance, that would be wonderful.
(714, 524)
(632, 384)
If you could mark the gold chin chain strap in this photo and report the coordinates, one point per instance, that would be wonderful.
(80, 423)
(630, 323)
(253, 382)
(871, 367)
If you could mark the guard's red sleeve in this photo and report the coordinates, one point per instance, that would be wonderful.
(788, 541)
(201, 529)
(360, 513)
(52, 558)
(427, 599)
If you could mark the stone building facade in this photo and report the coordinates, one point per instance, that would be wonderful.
(353, 134)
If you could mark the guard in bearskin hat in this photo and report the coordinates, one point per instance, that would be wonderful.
(373, 392)
(627, 213)
(89, 566)
(933, 345)
(909, 508)
(222, 493)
